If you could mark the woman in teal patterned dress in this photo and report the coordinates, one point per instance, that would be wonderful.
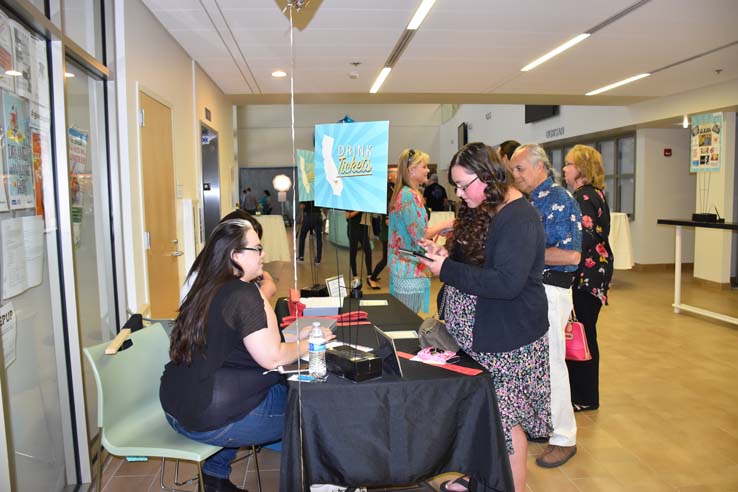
(408, 223)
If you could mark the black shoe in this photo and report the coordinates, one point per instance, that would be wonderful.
(215, 484)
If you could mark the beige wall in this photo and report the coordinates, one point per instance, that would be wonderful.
(157, 65)
(221, 110)
(265, 137)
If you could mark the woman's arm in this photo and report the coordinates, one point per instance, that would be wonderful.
(267, 349)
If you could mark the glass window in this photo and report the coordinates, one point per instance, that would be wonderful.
(618, 160)
(607, 149)
(83, 24)
(90, 211)
(31, 285)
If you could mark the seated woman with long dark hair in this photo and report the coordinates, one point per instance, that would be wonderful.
(214, 390)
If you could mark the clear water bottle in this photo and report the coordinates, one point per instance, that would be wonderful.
(316, 347)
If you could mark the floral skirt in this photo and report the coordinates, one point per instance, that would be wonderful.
(521, 376)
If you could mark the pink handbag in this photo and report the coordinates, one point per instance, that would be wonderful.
(577, 348)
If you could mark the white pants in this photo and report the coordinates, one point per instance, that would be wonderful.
(562, 413)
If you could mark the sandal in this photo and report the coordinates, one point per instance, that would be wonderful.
(461, 482)
(584, 408)
(373, 283)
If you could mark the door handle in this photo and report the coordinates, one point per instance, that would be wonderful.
(177, 253)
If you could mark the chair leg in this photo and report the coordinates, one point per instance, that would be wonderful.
(186, 482)
(255, 452)
(199, 476)
(99, 463)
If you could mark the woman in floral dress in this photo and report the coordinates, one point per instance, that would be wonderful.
(495, 302)
(585, 175)
(408, 224)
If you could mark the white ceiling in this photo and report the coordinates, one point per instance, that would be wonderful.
(463, 47)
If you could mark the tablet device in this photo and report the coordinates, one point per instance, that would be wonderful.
(418, 252)
(388, 351)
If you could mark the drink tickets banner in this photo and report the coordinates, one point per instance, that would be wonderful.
(351, 166)
(305, 160)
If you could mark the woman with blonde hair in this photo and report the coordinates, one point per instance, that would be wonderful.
(408, 223)
(585, 175)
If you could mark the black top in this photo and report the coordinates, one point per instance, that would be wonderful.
(435, 196)
(354, 223)
(595, 267)
(512, 310)
(223, 383)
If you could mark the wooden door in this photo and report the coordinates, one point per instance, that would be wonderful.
(162, 246)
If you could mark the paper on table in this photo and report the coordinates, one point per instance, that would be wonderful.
(373, 302)
(402, 334)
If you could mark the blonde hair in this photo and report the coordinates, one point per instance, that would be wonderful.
(588, 162)
(408, 158)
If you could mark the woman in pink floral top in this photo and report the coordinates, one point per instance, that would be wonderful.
(585, 175)
(408, 223)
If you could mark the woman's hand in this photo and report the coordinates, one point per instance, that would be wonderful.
(327, 333)
(435, 263)
(433, 248)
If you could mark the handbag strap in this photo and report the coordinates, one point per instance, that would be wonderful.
(573, 317)
(443, 302)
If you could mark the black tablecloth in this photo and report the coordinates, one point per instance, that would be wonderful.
(392, 430)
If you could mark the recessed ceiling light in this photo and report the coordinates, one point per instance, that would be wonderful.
(617, 84)
(14, 73)
(278, 74)
(69, 75)
(380, 80)
(420, 14)
(575, 40)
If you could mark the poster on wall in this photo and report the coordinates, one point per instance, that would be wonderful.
(351, 166)
(705, 145)
(22, 245)
(78, 179)
(22, 60)
(40, 73)
(6, 53)
(40, 152)
(18, 161)
(305, 174)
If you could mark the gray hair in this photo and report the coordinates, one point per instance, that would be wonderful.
(537, 155)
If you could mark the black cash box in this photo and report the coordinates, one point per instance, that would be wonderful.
(354, 364)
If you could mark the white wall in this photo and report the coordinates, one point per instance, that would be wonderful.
(153, 62)
(713, 249)
(264, 132)
(665, 189)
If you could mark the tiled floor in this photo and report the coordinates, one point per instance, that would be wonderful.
(669, 399)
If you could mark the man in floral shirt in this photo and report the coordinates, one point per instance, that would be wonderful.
(562, 222)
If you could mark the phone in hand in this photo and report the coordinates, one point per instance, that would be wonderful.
(417, 252)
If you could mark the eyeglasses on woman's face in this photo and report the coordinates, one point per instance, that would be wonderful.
(258, 248)
(467, 185)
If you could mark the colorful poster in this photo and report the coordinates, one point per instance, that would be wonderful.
(706, 142)
(78, 180)
(351, 166)
(305, 174)
(6, 53)
(18, 160)
(22, 60)
(40, 151)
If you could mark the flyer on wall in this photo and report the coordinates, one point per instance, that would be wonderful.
(705, 146)
(18, 160)
(22, 60)
(6, 52)
(40, 118)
